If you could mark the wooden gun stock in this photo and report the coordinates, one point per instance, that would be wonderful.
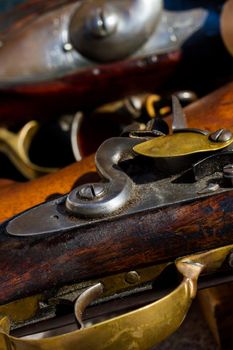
(210, 113)
(154, 236)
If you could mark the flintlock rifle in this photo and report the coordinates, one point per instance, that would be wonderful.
(58, 56)
(79, 246)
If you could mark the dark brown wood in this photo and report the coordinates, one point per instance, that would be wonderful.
(116, 245)
(81, 90)
(113, 246)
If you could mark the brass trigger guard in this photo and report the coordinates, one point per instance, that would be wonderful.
(16, 147)
(140, 329)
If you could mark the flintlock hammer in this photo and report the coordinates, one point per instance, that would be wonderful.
(163, 201)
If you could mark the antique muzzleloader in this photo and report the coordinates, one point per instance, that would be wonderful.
(161, 207)
(54, 56)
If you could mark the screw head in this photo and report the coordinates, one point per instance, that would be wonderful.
(91, 191)
(221, 135)
(103, 22)
(132, 277)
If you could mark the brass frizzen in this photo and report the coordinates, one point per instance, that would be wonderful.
(180, 144)
(184, 141)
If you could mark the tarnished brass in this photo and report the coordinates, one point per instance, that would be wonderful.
(140, 329)
(27, 308)
(22, 310)
(179, 144)
(16, 147)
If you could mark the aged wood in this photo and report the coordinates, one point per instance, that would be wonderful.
(211, 113)
(112, 246)
(127, 243)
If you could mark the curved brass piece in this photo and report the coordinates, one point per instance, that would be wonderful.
(140, 329)
(149, 104)
(178, 145)
(16, 147)
(22, 310)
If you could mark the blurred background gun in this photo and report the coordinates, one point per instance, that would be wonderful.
(66, 55)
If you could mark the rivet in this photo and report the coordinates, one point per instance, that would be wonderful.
(132, 277)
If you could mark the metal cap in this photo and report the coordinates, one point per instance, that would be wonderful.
(106, 31)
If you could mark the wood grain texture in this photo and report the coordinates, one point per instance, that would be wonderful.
(119, 244)
(211, 113)
(112, 246)
(16, 197)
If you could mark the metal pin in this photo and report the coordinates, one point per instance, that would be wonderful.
(179, 119)
(132, 277)
(91, 192)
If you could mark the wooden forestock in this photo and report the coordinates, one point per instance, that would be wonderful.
(119, 244)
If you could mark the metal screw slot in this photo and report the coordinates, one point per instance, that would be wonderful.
(91, 192)
(103, 23)
(221, 135)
